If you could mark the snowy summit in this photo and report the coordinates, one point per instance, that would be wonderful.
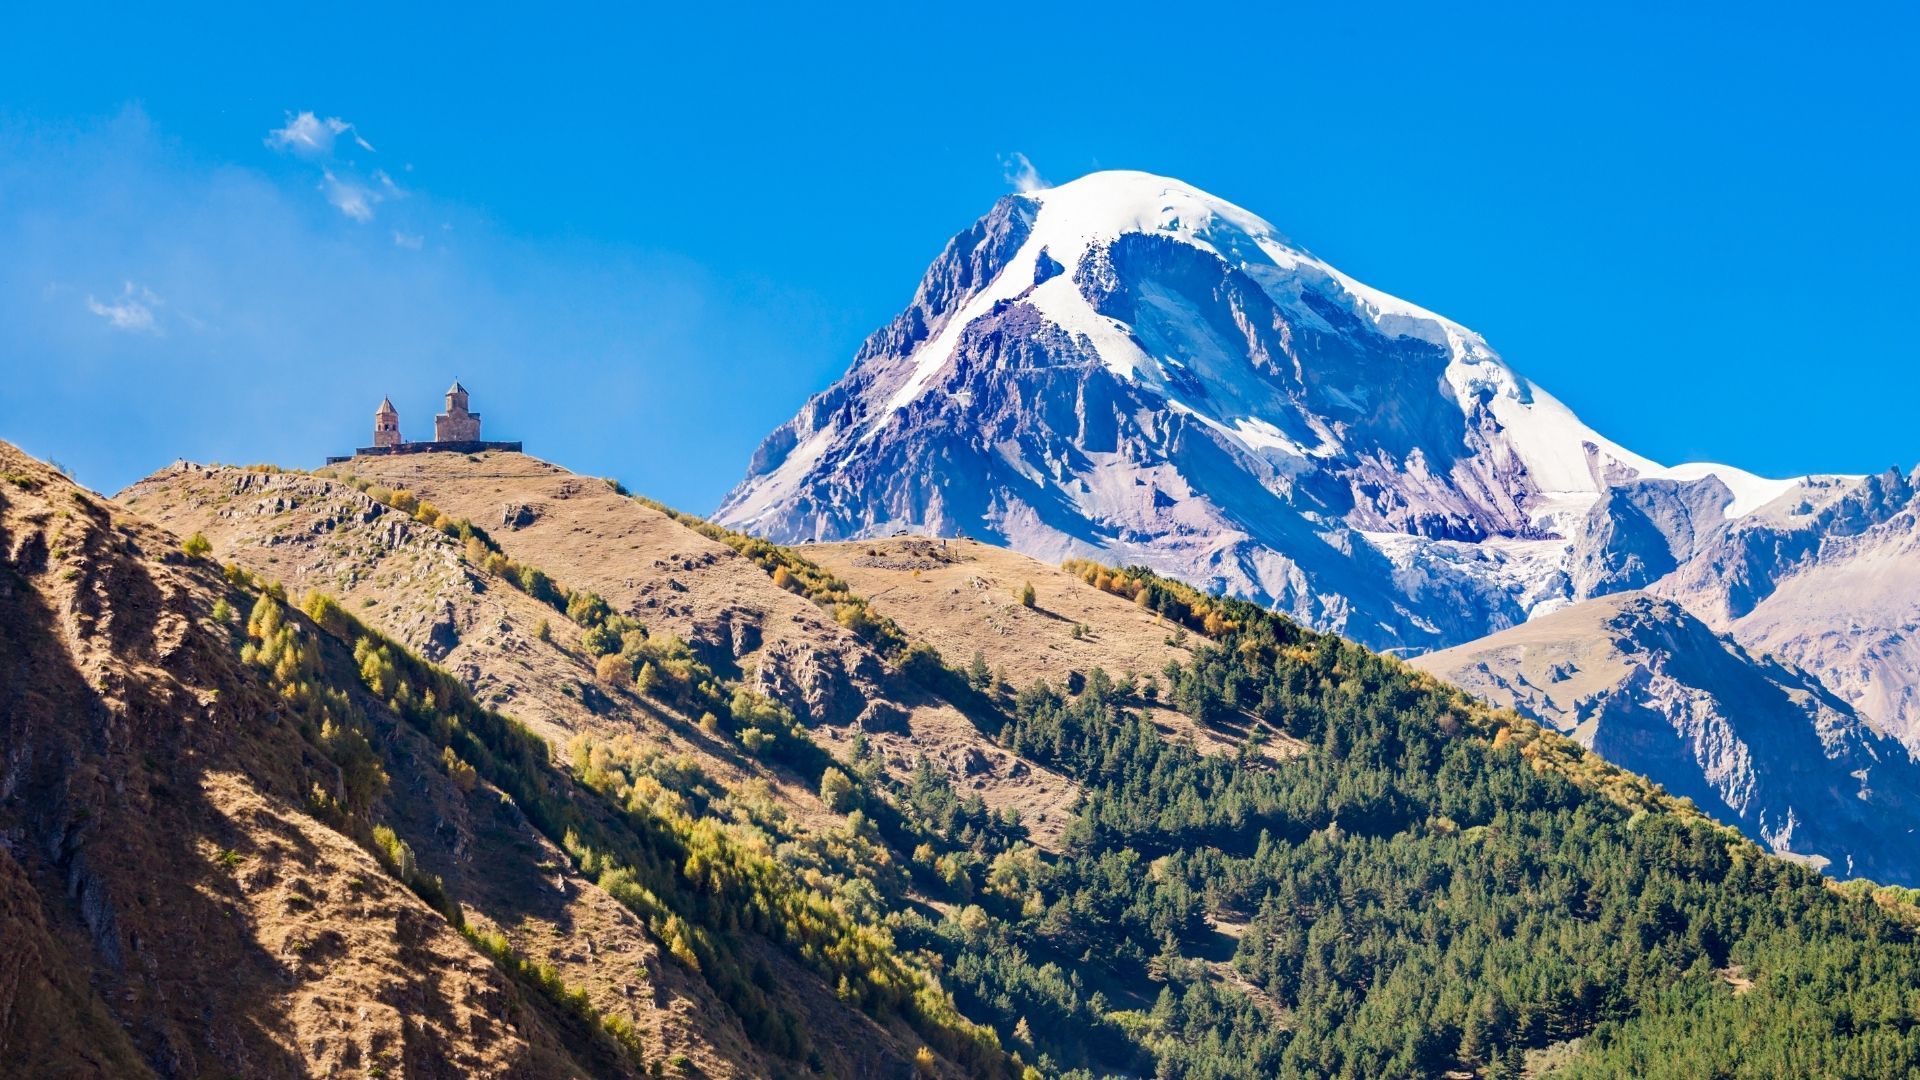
(1128, 366)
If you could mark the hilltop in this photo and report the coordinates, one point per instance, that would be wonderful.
(641, 560)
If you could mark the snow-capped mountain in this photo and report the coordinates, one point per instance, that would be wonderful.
(1128, 367)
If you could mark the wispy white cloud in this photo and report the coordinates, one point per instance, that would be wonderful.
(131, 312)
(349, 196)
(410, 241)
(318, 140)
(311, 136)
(1020, 173)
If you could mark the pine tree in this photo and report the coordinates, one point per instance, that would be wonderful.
(977, 674)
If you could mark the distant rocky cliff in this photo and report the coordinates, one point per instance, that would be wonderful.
(1753, 741)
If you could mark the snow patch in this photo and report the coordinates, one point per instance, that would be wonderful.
(1750, 492)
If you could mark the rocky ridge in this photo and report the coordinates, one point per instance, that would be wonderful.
(1645, 684)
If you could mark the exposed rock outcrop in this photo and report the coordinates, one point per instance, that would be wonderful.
(1830, 582)
(1753, 741)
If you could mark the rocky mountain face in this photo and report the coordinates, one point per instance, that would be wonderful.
(1642, 682)
(1826, 576)
(1130, 368)
(1640, 531)
(1828, 579)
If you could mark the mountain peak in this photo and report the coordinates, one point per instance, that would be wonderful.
(1112, 202)
(1130, 367)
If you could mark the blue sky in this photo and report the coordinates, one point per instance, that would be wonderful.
(642, 238)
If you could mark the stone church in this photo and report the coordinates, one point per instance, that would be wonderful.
(386, 425)
(456, 424)
(457, 430)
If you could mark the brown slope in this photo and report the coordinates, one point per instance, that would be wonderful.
(315, 533)
(579, 530)
(152, 808)
(962, 597)
(647, 564)
(411, 581)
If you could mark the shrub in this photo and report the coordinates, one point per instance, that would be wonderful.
(613, 669)
(600, 641)
(326, 612)
(197, 546)
(977, 674)
(464, 776)
(922, 663)
(1027, 598)
(538, 585)
(836, 790)
(587, 609)
(395, 853)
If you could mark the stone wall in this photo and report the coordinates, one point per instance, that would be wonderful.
(459, 447)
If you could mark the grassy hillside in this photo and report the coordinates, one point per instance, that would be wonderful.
(1265, 851)
(262, 839)
(173, 904)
